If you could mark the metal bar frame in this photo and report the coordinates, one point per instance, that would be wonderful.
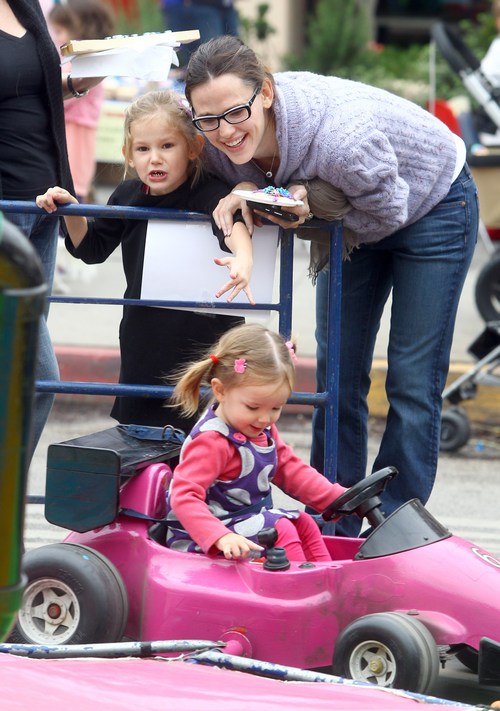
(327, 399)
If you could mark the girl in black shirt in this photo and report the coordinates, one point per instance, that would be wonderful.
(163, 147)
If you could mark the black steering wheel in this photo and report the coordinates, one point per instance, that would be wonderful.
(362, 498)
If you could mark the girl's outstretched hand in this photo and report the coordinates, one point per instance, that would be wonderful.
(235, 546)
(53, 197)
(240, 270)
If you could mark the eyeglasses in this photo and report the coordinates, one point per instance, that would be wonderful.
(236, 115)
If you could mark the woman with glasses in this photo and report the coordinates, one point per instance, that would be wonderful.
(411, 216)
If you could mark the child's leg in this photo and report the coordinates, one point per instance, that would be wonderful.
(289, 539)
(302, 539)
(313, 545)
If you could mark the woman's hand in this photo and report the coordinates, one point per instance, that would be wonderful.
(223, 213)
(235, 546)
(299, 192)
(53, 197)
(240, 271)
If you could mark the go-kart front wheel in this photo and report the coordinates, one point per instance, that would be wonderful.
(387, 649)
(74, 595)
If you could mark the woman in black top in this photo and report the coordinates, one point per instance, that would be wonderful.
(162, 145)
(33, 147)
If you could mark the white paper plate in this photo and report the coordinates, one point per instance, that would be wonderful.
(256, 196)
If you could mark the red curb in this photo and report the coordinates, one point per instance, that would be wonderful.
(102, 365)
(80, 364)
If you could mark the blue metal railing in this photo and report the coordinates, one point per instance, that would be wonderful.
(327, 399)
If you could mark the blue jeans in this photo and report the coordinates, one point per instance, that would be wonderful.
(42, 231)
(210, 21)
(425, 265)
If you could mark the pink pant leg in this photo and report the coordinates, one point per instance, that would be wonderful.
(288, 538)
(313, 545)
(302, 539)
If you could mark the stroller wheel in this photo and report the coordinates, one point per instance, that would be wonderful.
(488, 289)
(455, 429)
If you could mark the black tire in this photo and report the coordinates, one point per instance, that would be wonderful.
(487, 292)
(455, 429)
(74, 595)
(387, 649)
(469, 657)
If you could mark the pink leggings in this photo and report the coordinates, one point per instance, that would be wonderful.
(301, 538)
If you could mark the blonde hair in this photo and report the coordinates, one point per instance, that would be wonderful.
(174, 110)
(265, 355)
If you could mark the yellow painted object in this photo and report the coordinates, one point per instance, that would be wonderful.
(22, 300)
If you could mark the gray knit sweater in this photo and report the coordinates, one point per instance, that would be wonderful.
(393, 160)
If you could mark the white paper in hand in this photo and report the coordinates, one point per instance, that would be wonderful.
(179, 264)
(148, 62)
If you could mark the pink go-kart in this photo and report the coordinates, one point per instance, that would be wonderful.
(387, 609)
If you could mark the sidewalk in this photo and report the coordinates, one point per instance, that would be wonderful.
(86, 335)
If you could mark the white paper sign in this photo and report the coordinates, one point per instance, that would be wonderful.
(150, 63)
(179, 265)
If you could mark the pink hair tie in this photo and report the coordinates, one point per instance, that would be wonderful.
(183, 104)
(240, 365)
(291, 349)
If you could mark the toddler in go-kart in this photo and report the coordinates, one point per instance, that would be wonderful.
(220, 495)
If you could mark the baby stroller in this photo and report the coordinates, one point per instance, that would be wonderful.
(455, 427)
(484, 163)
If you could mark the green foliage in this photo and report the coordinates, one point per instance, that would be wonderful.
(336, 36)
(337, 43)
(479, 34)
(148, 18)
(258, 28)
(406, 72)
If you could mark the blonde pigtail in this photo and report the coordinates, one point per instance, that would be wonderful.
(187, 392)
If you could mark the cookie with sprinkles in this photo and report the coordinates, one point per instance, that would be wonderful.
(269, 195)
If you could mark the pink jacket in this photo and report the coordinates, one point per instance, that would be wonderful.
(85, 111)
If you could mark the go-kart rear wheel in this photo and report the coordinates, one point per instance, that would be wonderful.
(387, 649)
(455, 429)
(74, 595)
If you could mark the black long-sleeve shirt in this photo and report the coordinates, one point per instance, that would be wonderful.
(153, 341)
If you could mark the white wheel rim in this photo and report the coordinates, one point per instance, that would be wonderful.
(373, 662)
(50, 612)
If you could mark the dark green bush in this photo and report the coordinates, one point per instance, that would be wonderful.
(148, 18)
(338, 43)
